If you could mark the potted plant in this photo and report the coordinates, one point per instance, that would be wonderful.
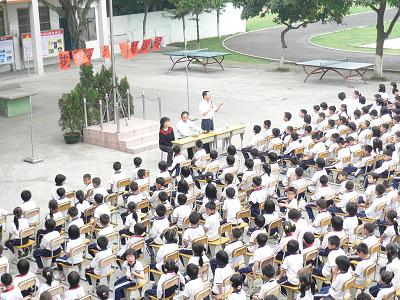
(71, 115)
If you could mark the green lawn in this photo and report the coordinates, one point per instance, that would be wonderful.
(215, 44)
(353, 38)
(267, 21)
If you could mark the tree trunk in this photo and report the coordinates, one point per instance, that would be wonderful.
(283, 46)
(146, 11)
(380, 40)
(198, 31)
(218, 15)
(184, 30)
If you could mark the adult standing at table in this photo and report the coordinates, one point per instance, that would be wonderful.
(166, 136)
(185, 128)
(207, 110)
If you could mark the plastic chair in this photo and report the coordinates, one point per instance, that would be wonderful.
(139, 286)
(56, 291)
(80, 249)
(55, 243)
(174, 281)
(222, 240)
(105, 262)
(203, 294)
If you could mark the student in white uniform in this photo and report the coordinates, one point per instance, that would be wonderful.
(212, 224)
(50, 282)
(269, 282)
(115, 177)
(307, 287)
(102, 208)
(10, 291)
(195, 283)
(364, 262)
(25, 274)
(223, 271)
(103, 292)
(81, 203)
(28, 204)
(88, 185)
(4, 260)
(171, 245)
(237, 288)
(98, 188)
(74, 217)
(137, 162)
(59, 181)
(75, 291)
(102, 243)
(19, 224)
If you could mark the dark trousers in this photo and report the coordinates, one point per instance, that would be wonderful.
(245, 152)
(125, 232)
(120, 285)
(168, 150)
(190, 153)
(38, 253)
(89, 271)
(207, 125)
(63, 260)
(309, 210)
(305, 163)
(374, 290)
(10, 244)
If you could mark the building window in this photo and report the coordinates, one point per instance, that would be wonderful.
(23, 19)
(2, 24)
(90, 32)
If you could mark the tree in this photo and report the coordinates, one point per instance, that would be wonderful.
(75, 12)
(295, 14)
(218, 6)
(379, 6)
(197, 7)
(181, 9)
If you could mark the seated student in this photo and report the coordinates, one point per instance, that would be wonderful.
(25, 274)
(49, 283)
(223, 271)
(307, 245)
(75, 240)
(275, 140)
(115, 177)
(186, 175)
(389, 229)
(293, 144)
(75, 291)
(129, 221)
(286, 178)
(199, 157)
(307, 287)
(28, 204)
(269, 282)
(290, 201)
(134, 195)
(4, 260)
(254, 141)
(45, 248)
(102, 208)
(249, 172)
(211, 226)
(298, 181)
(159, 187)
(256, 197)
(137, 165)
(259, 221)
(98, 188)
(367, 198)
(340, 275)
(61, 192)
(382, 171)
(105, 251)
(106, 228)
(292, 264)
(10, 292)
(191, 233)
(320, 206)
(316, 178)
(385, 286)
(237, 288)
(393, 264)
(337, 230)
(81, 203)
(288, 229)
(229, 168)
(163, 170)
(199, 257)
(55, 215)
(134, 273)
(171, 245)
(182, 188)
(141, 181)
(343, 152)
(231, 207)
(334, 251)
(139, 233)
(19, 224)
(194, 284)
(273, 162)
(74, 217)
(262, 252)
(350, 221)
(270, 214)
(59, 181)
(371, 212)
(181, 212)
(174, 169)
(364, 262)
(302, 226)
(160, 223)
(163, 199)
(338, 207)
(170, 269)
(318, 148)
(103, 292)
(233, 244)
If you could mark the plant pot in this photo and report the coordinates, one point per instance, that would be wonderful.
(72, 138)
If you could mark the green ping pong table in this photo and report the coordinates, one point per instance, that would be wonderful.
(203, 56)
(340, 67)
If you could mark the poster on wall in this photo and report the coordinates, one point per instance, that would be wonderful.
(52, 43)
(6, 50)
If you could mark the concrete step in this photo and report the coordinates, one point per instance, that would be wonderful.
(139, 139)
(142, 147)
(138, 129)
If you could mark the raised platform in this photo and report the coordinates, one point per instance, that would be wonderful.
(139, 136)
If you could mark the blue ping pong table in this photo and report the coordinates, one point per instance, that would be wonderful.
(355, 69)
(203, 56)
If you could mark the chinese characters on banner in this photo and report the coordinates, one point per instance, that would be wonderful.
(157, 43)
(64, 61)
(105, 52)
(80, 57)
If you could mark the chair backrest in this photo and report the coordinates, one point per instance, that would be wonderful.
(203, 240)
(380, 207)
(64, 206)
(190, 200)
(111, 199)
(277, 147)
(274, 224)
(27, 284)
(143, 188)
(89, 212)
(214, 169)
(145, 222)
(374, 249)
(113, 236)
(169, 211)
(27, 232)
(70, 195)
(274, 291)
(390, 296)
(77, 250)
(359, 230)
(203, 294)
(326, 221)
(358, 154)
(349, 284)
(203, 271)
(245, 213)
(346, 159)
(370, 270)
(168, 180)
(139, 245)
(86, 229)
(370, 162)
(226, 283)
(107, 261)
(323, 155)
(310, 256)
(143, 204)
(3, 269)
(87, 297)
(225, 229)
(299, 151)
(123, 182)
(57, 242)
(3, 220)
(307, 269)
(60, 221)
(173, 255)
(186, 163)
(173, 281)
(267, 261)
(239, 251)
(33, 213)
(344, 241)
(57, 290)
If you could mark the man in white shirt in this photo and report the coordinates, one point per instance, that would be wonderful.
(185, 128)
(207, 110)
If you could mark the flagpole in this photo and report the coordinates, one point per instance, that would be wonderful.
(114, 87)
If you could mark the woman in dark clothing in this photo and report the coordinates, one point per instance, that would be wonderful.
(166, 136)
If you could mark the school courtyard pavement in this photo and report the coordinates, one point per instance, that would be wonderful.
(249, 96)
(266, 42)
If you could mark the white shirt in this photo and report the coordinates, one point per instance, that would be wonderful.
(96, 260)
(27, 206)
(359, 271)
(4, 261)
(18, 279)
(220, 275)
(14, 294)
(317, 222)
(192, 233)
(137, 268)
(158, 228)
(71, 245)
(212, 225)
(114, 180)
(184, 129)
(326, 270)
(164, 250)
(389, 233)
(77, 222)
(237, 296)
(349, 225)
(371, 210)
(229, 248)
(336, 291)
(23, 224)
(102, 209)
(292, 264)
(48, 238)
(394, 267)
(231, 207)
(165, 277)
(383, 292)
(261, 253)
(206, 106)
(82, 207)
(180, 213)
(192, 287)
(73, 294)
(44, 287)
(267, 286)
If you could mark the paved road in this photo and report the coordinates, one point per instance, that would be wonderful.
(266, 43)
